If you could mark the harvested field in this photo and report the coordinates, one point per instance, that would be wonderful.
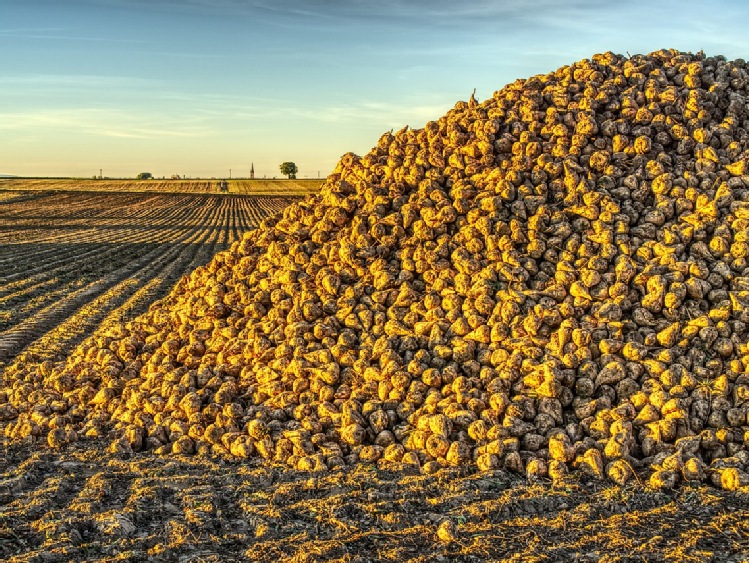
(202, 186)
(519, 333)
(86, 505)
(70, 261)
(275, 187)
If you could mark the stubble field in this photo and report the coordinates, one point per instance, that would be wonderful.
(72, 261)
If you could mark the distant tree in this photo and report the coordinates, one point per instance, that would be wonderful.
(290, 169)
(144, 176)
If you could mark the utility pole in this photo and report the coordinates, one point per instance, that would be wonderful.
(229, 173)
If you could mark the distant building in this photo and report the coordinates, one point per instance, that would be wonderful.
(252, 171)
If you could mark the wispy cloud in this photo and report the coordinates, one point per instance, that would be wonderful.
(21, 31)
(245, 108)
(103, 123)
(58, 34)
(393, 115)
(367, 11)
(76, 81)
(209, 116)
(477, 8)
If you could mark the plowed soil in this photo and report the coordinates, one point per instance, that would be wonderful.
(72, 261)
(86, 505)
(296, 187)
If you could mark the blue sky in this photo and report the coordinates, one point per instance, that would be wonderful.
(199, 87)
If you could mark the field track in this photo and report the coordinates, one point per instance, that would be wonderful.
(72, 261)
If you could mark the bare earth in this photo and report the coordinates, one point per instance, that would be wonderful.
(86, 505)
(71, 261)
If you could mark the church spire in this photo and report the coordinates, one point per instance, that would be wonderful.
(252, 171)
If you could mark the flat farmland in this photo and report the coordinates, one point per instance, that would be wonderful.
(272, 187)
(71, 261)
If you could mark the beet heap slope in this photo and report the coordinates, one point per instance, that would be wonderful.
(554, 278)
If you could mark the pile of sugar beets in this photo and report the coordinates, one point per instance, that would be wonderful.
(554, 279)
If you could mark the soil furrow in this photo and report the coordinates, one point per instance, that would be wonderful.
(52, 299)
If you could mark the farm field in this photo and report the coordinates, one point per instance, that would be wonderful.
(75, 261)
(265, 187)
(71, 261)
